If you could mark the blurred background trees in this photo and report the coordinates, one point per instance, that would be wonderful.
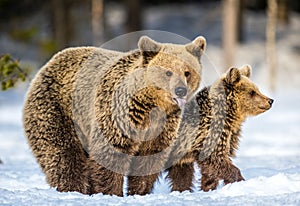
(33, 30)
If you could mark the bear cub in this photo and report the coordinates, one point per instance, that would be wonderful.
(210, 130)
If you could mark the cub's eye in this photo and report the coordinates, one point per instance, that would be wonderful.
(187, 74)
(169, 73)
(252, 93)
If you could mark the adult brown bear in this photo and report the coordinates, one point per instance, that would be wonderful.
(91, 115)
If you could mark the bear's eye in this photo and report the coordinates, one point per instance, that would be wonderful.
(187, 74)
(252, 93)
(169, 73)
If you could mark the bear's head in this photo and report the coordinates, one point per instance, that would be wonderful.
(249, 101)
(174, 69)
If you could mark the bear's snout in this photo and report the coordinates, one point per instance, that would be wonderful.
(271, 101)
(181, 91)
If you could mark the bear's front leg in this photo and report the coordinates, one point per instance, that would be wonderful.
(103, 180)
(181, 176)
(213, 171)
(141, 185)
(209, 178)
(230, 173)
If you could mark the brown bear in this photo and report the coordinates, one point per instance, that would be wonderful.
(210, 130)
(93, 115)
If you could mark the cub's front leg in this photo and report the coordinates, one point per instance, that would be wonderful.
(230, 173)
(213, 171)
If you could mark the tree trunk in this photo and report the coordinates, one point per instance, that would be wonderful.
(97, 22)
(61, 22)
(134, 15)
(283, 11)
(271, 42)
(240, 21)
(229, 30)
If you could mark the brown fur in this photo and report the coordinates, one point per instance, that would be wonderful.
(89, 114)
(210, 130)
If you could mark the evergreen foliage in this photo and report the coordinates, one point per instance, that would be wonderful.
(10, 72)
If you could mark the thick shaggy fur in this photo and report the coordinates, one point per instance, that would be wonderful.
(89, 114)
(210, 130)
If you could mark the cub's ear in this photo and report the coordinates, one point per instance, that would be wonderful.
(246, 70)
(233, 76)
(197, 47)
(147, 44)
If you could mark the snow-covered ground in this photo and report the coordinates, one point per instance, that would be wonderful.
(269, 154)
(269, 159)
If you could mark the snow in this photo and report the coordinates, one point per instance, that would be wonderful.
(268, 157)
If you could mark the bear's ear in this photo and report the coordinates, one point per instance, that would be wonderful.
(149, 45)
(197, 47)
(233, 76)
(246, 70)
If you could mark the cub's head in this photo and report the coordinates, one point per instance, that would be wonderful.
(174, 69)
(248, 99)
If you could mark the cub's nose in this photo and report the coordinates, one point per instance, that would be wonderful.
(271, 101)
(181, 91)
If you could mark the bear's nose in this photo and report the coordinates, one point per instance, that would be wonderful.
(271, 101)
(181, 91)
